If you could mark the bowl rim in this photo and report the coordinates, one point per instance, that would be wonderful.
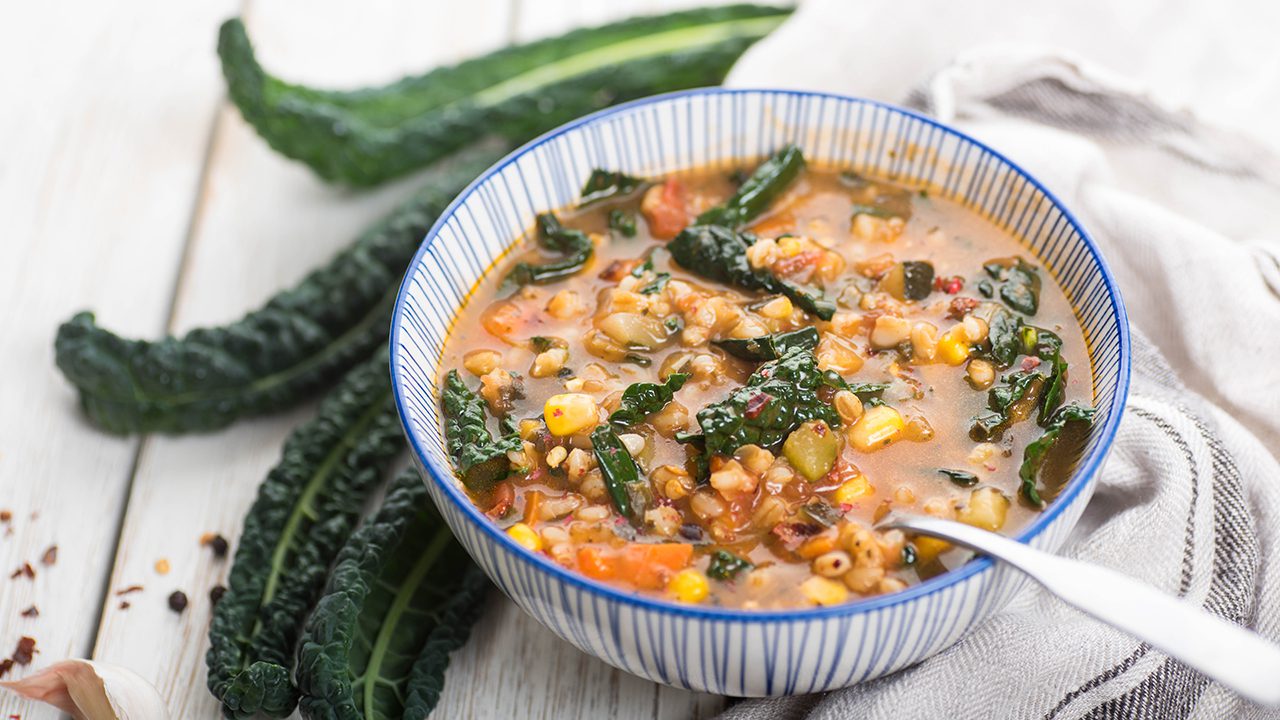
(1083, 476)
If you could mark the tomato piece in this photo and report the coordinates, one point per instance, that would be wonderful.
(663, 208)
(504, 494)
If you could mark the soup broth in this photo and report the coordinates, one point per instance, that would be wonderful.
(674, 414)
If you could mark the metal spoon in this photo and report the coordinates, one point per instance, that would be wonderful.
(1223, 651)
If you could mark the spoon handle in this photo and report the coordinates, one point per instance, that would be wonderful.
(1223, 651)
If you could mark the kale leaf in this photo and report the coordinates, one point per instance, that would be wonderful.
(758, 191)
(305, 509)
(623, 221)
(368, 135)
(769, 347)
(607, 185)
(867, 392)
(963, 478)
(641, 399)
(573, 244)
(629, 491)
(480, 460)
(720, 253)
(1012, 400)
(725, 565)
(1034, 455)
(778, 397)
(402, 595)
(301, 341)
(1020, 288)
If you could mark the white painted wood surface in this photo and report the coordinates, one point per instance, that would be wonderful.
(128, 185)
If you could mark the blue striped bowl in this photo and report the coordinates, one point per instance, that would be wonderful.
(716, 650)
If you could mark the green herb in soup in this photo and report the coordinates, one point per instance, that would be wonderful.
(747, 372)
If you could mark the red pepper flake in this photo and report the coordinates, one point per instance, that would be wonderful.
(6, 515)
(216, 543)
(125, 604)
(5, 666)
(23, 569)
(1030, 363)
(31, 612)
(50, 556)
(25, 651)
(756, 405)
(177, 601)
(950, 285)
(960, 307)
(128, 590)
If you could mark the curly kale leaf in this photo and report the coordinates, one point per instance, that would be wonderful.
(478, 458)
(301, 341)
(758, 191)
(1020, 288)
(305, 510)
(641, 399)
(720, 253)
(573, 244)
(778, 397)
(725, 565)
(769, 347)
(1012, 400)
(604, 185)
(366, 136)
(867, 392)
(401, 596)
(1033, 457)
(629, 491)
(623, 221)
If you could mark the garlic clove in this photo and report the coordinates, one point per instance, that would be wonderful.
(90, 690)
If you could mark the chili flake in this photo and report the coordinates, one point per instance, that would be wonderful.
(50, 555)
(31, 612)
(25, 651)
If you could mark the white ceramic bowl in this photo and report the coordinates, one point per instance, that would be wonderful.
(724, 651)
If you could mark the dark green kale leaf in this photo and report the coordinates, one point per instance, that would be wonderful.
(623, 221)
(769, 347)
(725, 565)
(1020, 288)
(1034, 455)
(305, 510)
(963, 478)
(1010, 401)
(479, 460)
(778, 397)
(629, 491)
(368, 135)
(867, 392)
(402, 595)
(659, 282)
(641, 399)
(822, 513)
(917, 279)
(608, 185)
(758, 191)
(1004, 338)
(719, 253)
(876, 199)
(573, 244)
(301, 341)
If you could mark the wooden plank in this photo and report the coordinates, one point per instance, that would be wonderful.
(264, 222)
(107, 118)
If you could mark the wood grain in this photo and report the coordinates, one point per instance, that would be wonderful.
(142, 171)
(107, 116)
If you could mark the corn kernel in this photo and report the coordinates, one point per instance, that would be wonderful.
(824, 591)
(525, 536)
(569, 413)
(879, 426)
(852, 490)
(689, 586)
(952, 350)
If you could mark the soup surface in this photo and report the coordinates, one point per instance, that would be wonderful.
(711, 386)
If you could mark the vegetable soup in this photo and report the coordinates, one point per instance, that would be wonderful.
(711, 386)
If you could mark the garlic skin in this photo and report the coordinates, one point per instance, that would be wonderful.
(89, 690)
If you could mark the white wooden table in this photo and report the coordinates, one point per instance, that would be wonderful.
(129, 185)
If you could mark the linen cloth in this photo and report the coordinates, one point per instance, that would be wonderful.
(1156, 123)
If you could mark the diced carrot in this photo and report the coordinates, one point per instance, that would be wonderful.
(596, 564)
(663, 208)
(650, 566)
(532, 500)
